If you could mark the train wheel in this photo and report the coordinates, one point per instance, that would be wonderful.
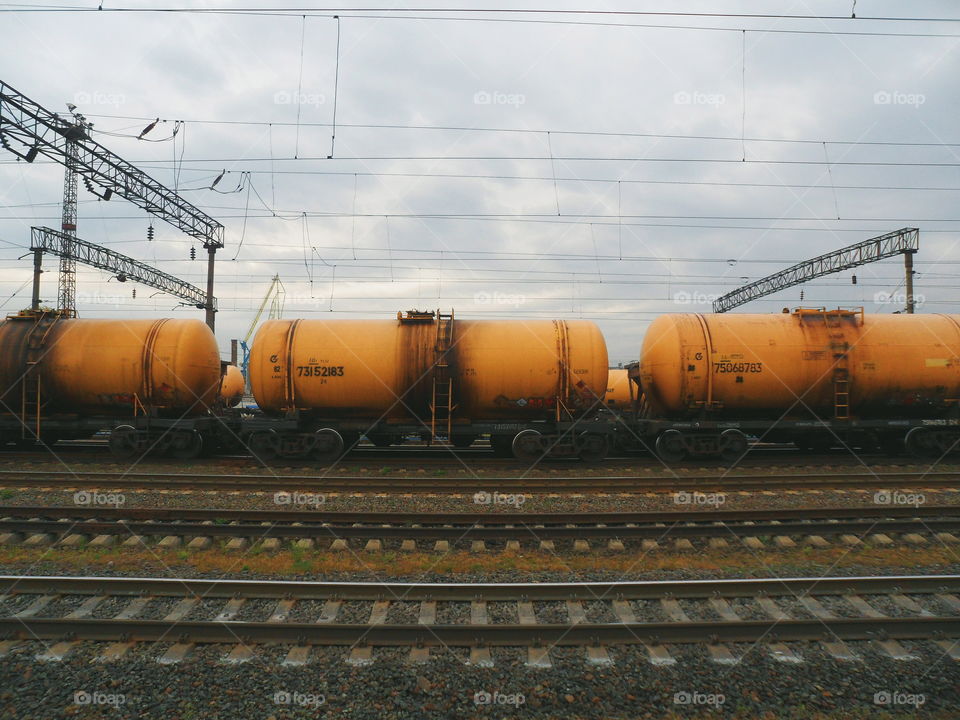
(463, 441)
(670, 446)
(733, 445)
(186, 444)
(264, 445)
(526, 445)
(920, 442)
(329, 445)
(593, 447)
(123, 442)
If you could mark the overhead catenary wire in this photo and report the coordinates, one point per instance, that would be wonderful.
(539, 158)
(554, 178)
(541, 131)
(510, 16)
(303, 33)
(743, 95)
(243, 231)
(336, 87)
(544, 178)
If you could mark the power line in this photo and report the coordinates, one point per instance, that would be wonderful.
(541, 131)
(532, 178)
(509, 217)
(510, 16)
(553, 220)
(542, 158)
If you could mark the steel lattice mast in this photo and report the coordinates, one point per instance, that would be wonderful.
(67, 284)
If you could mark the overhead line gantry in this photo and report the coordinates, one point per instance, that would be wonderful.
(40, 131)
(904, 242)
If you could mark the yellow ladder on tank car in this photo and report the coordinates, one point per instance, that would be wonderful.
(841, 369)
(30, 387)
(441, 402)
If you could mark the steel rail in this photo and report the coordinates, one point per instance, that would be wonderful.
(408, 484)
(322, 515)
(465, 592)
(587, 532)
(433, 635)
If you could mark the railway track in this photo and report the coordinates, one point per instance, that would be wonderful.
(851, 618)
(95, 452)
(198, 528)
(259, 482)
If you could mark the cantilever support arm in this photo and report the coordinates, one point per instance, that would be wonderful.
(899, 242)
(46, 240)
(43, 132)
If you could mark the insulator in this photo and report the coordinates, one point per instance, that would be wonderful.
(801, 295)
(150, 232)
(134, 293)
(853, 280)
(193, 253)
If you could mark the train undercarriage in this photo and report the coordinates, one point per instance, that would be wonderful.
(729, 440)
(327, 440)
(589, 440)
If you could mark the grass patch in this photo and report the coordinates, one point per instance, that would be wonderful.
(630, 565)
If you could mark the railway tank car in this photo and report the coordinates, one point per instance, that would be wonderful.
(151, 381)
(526, 383)
(810, 376)
(232, 385)
(620, 394)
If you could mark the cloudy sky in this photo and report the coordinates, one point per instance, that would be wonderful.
(600, 166)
